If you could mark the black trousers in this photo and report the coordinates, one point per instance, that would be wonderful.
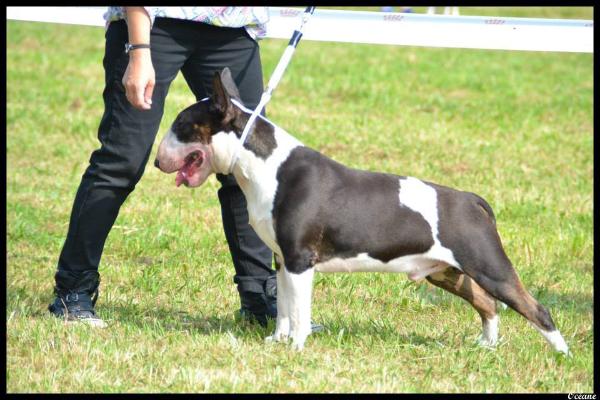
(126, 136)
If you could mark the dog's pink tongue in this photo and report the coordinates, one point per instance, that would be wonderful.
(189, 168)
(181, 177)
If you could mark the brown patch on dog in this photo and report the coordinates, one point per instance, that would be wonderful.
(463, 286)
(203, 133)
(320, 247)
(519, 299)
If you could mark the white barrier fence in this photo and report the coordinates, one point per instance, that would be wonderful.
(494, 33)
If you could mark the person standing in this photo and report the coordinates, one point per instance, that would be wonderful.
(145, 49)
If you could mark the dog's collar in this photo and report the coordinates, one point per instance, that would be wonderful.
(242, 139)
(245, 109)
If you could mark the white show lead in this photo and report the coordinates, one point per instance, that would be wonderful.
(273, 82)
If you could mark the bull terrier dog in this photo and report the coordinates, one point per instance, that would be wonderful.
(319, 215)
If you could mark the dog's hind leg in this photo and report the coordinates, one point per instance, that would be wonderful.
(461, 285)
(489, 266)
(299, 293)
(507, 287)
(477, 248)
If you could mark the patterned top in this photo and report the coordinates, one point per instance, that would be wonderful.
(254, 19)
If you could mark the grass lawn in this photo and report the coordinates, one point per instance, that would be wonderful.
(514, 127)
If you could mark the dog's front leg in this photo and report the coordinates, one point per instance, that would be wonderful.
(299, 293)
(282, 328)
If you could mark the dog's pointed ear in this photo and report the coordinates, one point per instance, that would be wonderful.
(229, 84)
(221, 98)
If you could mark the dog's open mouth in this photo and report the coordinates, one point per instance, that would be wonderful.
(192, 162)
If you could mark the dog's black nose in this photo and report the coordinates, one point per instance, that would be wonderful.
(156, 163)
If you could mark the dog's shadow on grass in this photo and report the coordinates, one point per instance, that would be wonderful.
(336, 329)
(173, 320)
(348, 332)
(164, 319)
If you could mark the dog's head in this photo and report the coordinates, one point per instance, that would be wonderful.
(187, 146)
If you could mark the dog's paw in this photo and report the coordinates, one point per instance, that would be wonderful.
(487, 342)
(566, 352)
(298, 345)
(276, 337)
(298, 341)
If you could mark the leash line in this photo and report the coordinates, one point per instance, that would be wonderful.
(273, 82)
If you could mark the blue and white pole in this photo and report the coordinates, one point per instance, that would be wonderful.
(273, 82)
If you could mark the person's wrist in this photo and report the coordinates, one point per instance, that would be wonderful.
(139, 55)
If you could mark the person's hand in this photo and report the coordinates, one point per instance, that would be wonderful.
(139, 79)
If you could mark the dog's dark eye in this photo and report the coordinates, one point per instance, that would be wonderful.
(188, 133)
(182, 130)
